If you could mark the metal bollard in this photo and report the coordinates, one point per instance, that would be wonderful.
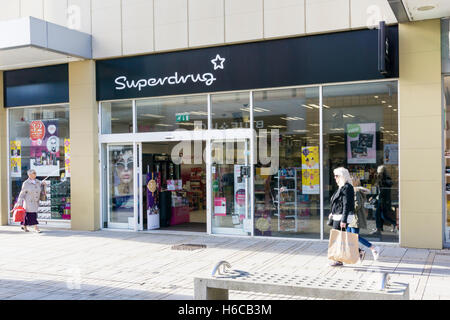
(385, 278)
(223, 263)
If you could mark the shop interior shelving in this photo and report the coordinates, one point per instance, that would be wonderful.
(289, 206)
(447, 192)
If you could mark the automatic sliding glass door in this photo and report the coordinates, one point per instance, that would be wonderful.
(122, 185)
(231, 184)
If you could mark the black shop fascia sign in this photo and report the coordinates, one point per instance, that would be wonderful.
(327, 58)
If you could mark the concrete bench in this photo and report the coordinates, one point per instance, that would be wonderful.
(217, 287)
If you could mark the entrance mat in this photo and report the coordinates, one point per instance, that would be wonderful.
(188, 246)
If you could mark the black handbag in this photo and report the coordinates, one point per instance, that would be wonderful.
(330, 221)
(43, 194)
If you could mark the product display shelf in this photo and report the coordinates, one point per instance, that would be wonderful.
(286, 206)
(259, 189)
(447, 192)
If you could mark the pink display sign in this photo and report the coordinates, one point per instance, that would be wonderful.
(220, 206)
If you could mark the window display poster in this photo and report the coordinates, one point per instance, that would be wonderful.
(44, 148)
(220, 206)
(15, 159)
(310, 181)
(310, 157)
(16, 167)
(361, 144)
(67, 157)
(310, 170)
(239, 192)
(390, 154)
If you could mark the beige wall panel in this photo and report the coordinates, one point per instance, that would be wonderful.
(420, 134)
(430, 158)
(83, 100)
(284, 17)
(421, 230)
(422, 196)
(79, 15)
(424, 70)
(368, 13)
(243, 20)
(10, 9)
(78, 77)
(83, 207)
(171, 24)
(106, 28)
(327, 15)
(34, 8)
(4, 207)
(206, 22)
(421, 100)
(84, 143)
(79, 115)
(137, 26)
(424, 36)
(55, 11)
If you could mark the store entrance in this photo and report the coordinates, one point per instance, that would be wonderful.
(174, 186)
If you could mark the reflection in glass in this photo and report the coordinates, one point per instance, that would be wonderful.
(39, 139)
(230, 186)
(117, 117)
(287, 198)
(168, 114)
(230, 110)
(447, 155)
(121, 197)
(361, 134)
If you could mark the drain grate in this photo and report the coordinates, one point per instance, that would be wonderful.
(188, 246)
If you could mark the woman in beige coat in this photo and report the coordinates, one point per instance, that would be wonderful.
(360, 221)
(29, 199)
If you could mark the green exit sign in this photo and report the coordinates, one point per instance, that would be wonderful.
(182, 117)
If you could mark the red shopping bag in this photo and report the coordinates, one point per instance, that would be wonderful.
(19, 214)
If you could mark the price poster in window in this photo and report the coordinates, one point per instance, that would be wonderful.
(44, 148)
(220, 206)
(240, 193)
(310, 170)
(67, 157)
(361, 144)
(15, 159)
(310, 181)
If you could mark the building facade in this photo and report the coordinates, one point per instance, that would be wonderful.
(225, 116)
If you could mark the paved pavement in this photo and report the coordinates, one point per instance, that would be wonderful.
(75, 265)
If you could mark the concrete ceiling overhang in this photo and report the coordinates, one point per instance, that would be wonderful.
(416, 10)
(30, 42)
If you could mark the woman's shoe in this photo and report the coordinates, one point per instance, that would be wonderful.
(375, 252)
(394, 229)
(362, 255)
(336, 264)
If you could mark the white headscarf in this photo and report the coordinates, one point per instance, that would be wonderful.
(344, 176)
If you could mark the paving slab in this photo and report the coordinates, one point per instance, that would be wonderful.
(77, 265)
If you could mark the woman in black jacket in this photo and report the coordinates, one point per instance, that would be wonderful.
(342, 203)
(383, 204)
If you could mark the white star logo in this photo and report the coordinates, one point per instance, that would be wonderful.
(218, 62)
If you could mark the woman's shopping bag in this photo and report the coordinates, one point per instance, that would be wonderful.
(343, 247)
(19, 214)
